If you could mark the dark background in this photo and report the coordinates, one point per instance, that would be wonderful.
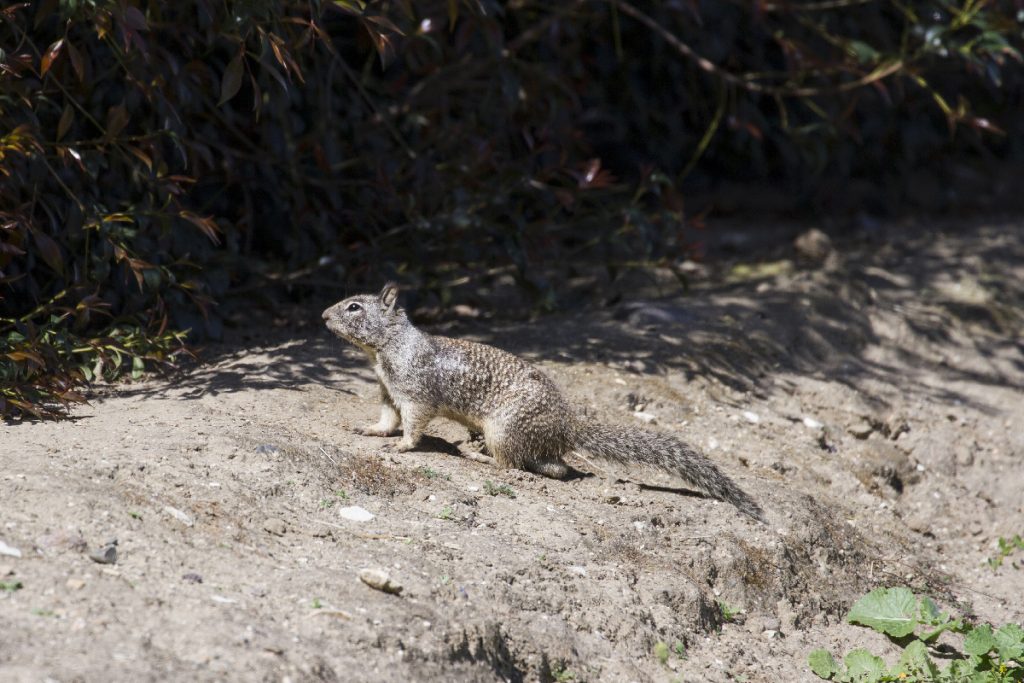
(160, 161)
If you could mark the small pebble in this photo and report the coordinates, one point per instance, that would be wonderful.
(192, 577)
(221, 599)
(646, 418)
(105, 555)
(75, 584)
(381, 580)
(861, 430)
(275, 526)
(751, 417)
(811, 423)
(182, 517)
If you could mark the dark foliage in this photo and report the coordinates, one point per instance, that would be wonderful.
(154, 155)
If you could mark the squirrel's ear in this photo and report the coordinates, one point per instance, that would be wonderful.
(389, 296)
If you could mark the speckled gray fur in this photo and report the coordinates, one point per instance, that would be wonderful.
(525, 420)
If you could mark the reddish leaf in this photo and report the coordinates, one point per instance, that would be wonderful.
(135, 19)
(44, 9)
(76, 61)
(231, 81)
(49, 250)
(206, 225)
(142, 156)
(117, 119)
(274, 40)
(66, 118)
(453, 13)
(385, 22)
(985, 124)
(32, 356)
(385, 49)
(50, 56)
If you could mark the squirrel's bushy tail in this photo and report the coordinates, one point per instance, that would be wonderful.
(631, 445)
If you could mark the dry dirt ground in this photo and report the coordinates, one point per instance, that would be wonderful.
(871, 402)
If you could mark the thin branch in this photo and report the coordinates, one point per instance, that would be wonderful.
(706, 65)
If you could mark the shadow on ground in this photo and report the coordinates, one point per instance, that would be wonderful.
(943, 289)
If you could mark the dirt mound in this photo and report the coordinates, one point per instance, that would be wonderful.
(869, 401)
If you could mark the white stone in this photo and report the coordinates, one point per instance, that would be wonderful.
(9, 550)
(355, 513)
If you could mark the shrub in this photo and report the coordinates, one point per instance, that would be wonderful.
(154, 155)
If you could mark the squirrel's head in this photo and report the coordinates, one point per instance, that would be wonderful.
(366, 319)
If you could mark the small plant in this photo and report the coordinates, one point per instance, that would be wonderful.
(491, 489)
(316, 604)
(679, 649)
(326, 503)
(445, 579)
(728, 612)
(39, 612)
(988, 655)
(340, 493)
(135, 515)
(1007, 546)
(428, 472)
(446, 513)
(661, 652)
(10, 586)
(561, 673)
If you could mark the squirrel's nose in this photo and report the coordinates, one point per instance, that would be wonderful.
(327, 314)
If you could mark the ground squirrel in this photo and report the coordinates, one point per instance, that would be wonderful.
(525, 420)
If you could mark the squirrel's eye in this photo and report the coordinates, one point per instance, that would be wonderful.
(354, 307)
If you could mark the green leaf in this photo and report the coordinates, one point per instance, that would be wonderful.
(862, 52)
(960, 670)
(1010, 643)
(822, 663)
(231, 81)
(138, 366)
(864, 666)
(915, 660)
(930, 612)
(887, 610)
(979, 640)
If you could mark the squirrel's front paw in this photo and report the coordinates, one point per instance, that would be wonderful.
(374, 430)
(404, 446)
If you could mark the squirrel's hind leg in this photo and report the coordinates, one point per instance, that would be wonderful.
(549, 468)
(517, 445)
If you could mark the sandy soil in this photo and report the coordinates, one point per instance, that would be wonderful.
(871, 402)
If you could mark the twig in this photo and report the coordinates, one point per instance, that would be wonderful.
(369, 537)
(883, 71)
(329, 456)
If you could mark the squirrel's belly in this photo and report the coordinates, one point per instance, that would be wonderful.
(473, 422)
